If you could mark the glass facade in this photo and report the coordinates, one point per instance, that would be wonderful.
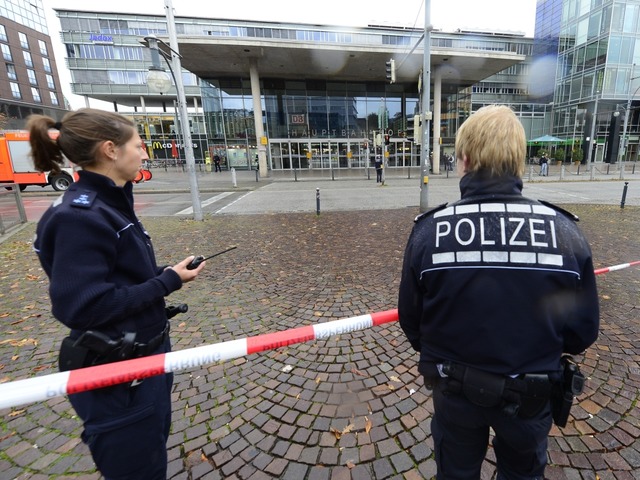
(26, 52)
(597, 74)
(30, 14)
(310, 124)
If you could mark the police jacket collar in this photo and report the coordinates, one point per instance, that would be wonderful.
(483, 183)
(118, 197)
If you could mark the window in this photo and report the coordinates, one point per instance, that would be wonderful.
(32, 76)
(71, 50)
(54, 98)
(43, 48)
(11, 72)
(47, 65)
(630, 19)
(24, 41)
(27, 59)
(6, 52)
(3, 34)
(15, 90)
(36, 95)
(50, 82)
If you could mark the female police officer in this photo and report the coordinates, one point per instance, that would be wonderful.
(106, 286)
(494, 289)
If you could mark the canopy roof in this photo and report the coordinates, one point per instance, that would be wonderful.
(546, 139)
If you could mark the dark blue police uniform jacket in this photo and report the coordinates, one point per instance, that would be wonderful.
(498, 282)
(100, 261)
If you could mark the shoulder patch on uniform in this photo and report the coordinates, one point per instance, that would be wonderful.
(83, 199)
(566, 213)
(430, 212)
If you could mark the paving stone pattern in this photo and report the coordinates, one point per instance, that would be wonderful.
(348, 407)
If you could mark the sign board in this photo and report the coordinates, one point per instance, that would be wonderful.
(298, 118)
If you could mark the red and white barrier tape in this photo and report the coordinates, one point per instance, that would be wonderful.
(75, 381)
(613, 268)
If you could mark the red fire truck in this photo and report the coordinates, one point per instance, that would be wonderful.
(16, 165)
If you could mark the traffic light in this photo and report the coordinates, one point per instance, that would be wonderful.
(417, 129)
(391, 70)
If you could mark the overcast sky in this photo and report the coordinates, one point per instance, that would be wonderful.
(446, 15)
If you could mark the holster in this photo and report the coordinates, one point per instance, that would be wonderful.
(563, 392)
(96, 348)
(71, 356)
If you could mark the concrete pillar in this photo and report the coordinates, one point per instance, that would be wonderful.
(257, 116)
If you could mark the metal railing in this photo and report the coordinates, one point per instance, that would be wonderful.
(12, 212)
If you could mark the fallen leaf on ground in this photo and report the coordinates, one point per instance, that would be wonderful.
(367, 425)
(339, 433)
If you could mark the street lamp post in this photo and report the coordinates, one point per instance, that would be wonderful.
(159, 81)
(426, 110)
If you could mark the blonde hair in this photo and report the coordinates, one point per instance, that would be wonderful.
(493, 139)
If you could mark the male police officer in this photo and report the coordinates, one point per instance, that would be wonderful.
(494, 289)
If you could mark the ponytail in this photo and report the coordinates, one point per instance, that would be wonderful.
(80, 135)
(45, 151)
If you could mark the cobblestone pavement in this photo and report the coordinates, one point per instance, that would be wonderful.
(348, 407)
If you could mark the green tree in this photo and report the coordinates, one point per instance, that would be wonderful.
(559, 154)
(577, 154)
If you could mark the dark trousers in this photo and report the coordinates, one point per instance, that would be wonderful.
(217, 168)
(126, 428)
(378, 175)
(460, 432)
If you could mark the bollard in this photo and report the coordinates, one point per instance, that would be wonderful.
(562, 173)
(531, 173)
(233, 177)
(368, 174)
(624, 194)
(317, 201)
(633, 170)
(257, 173)
(592, 172)
(333, 177)
(608, 165)
(295, 174)
(578, 173)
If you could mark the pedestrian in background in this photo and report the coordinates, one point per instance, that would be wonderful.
(494, 289)
(379, 166)
(216, 161)
(106, 286)
(544, 165)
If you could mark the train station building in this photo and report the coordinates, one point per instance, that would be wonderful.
(321, 92)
